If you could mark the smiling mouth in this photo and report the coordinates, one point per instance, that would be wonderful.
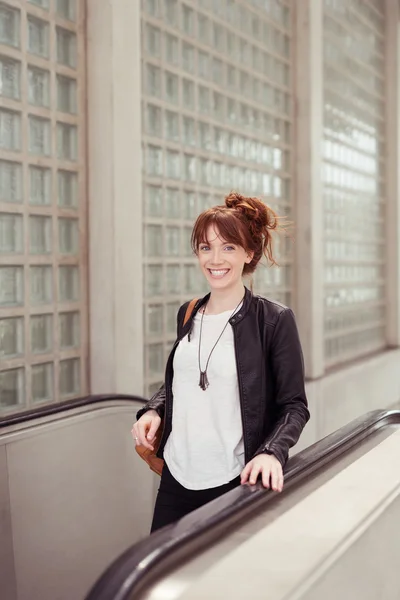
(218, 273)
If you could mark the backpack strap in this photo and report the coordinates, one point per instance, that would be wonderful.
(189, 310)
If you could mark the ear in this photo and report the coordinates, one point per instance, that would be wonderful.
(249, 258)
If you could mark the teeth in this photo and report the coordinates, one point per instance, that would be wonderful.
(218, 272)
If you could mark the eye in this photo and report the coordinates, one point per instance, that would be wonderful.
(204, 247)
(229, 248)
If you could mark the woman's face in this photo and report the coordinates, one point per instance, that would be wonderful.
(221, 262)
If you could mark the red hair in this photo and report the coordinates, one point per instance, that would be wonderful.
(246, 222)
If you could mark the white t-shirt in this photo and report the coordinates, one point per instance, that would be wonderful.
(205, 448)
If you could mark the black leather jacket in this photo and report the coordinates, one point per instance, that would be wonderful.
(270, 374)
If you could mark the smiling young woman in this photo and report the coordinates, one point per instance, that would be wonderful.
(233, 402)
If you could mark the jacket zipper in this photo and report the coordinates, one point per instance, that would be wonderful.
(246, 454)
(168, 405)
(268, 446)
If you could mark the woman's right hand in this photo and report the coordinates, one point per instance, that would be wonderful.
(145, 429)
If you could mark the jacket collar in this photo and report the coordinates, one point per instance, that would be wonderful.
(248, 296)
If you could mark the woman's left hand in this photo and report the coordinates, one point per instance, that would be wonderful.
(270, 469)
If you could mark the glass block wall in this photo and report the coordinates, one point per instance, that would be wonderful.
(354, 185)
(42, 279)
(217, 116)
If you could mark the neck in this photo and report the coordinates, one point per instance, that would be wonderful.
(223, 300)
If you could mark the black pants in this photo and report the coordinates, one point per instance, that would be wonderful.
(175, 501)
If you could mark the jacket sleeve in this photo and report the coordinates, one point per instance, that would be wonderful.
(157, 402)
(290, 396)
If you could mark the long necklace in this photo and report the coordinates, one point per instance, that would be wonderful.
(204, 383)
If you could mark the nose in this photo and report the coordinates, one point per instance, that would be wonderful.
(216, 258)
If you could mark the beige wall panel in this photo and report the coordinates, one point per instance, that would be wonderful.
(79, 497)
(340, 397)
(7, 571)
(115, 197)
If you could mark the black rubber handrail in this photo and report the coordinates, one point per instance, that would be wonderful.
(144, 562)
(67, 405)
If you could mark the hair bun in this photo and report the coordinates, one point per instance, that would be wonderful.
(259, 216)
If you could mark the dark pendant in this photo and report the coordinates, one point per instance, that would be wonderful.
(203, 380)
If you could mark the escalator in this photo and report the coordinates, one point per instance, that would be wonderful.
(73, 495)
(331, 534)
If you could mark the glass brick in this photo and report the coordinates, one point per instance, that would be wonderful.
(11, 337)
(69, 330)
(10, 130)
(41, 3)
(70, 377)
(155, 319)
(172, 312)
(66, 47)
(41, 334)
(10, 77)
(203, 29)
(218, 35)
(173, 281)
(204, 202)
(39, 186)
(40, 235)
(188, 20)
(217, 71)
(154, 161)
(12, 388)
(172, 49)
(204, 99)
(11, 286)
(153, 240)
(41, 285)
(186, 241)
(172, 126)
(67, 189)
(190, 212)
(171, 12)
(154, 286)
(189, 162)
(204, 65)
(152, 7)
(42, 383)
(66, 9)
(67, 141)
(153, 121)
(172, 203)
(39, 136)
(205, 136)
(66, 94)
(172, 241)
(173, 167)
(190, 279)
(68, 236)
(68, 283)
(188, 57)
(153, 40)
(153, 202)
(171, 88)
(189, 131)
(218, 106)
(188, 91)
(10, 181)
(9, 25)
(153, 81)
(38, 86)
(38, 36)
(11, 238)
